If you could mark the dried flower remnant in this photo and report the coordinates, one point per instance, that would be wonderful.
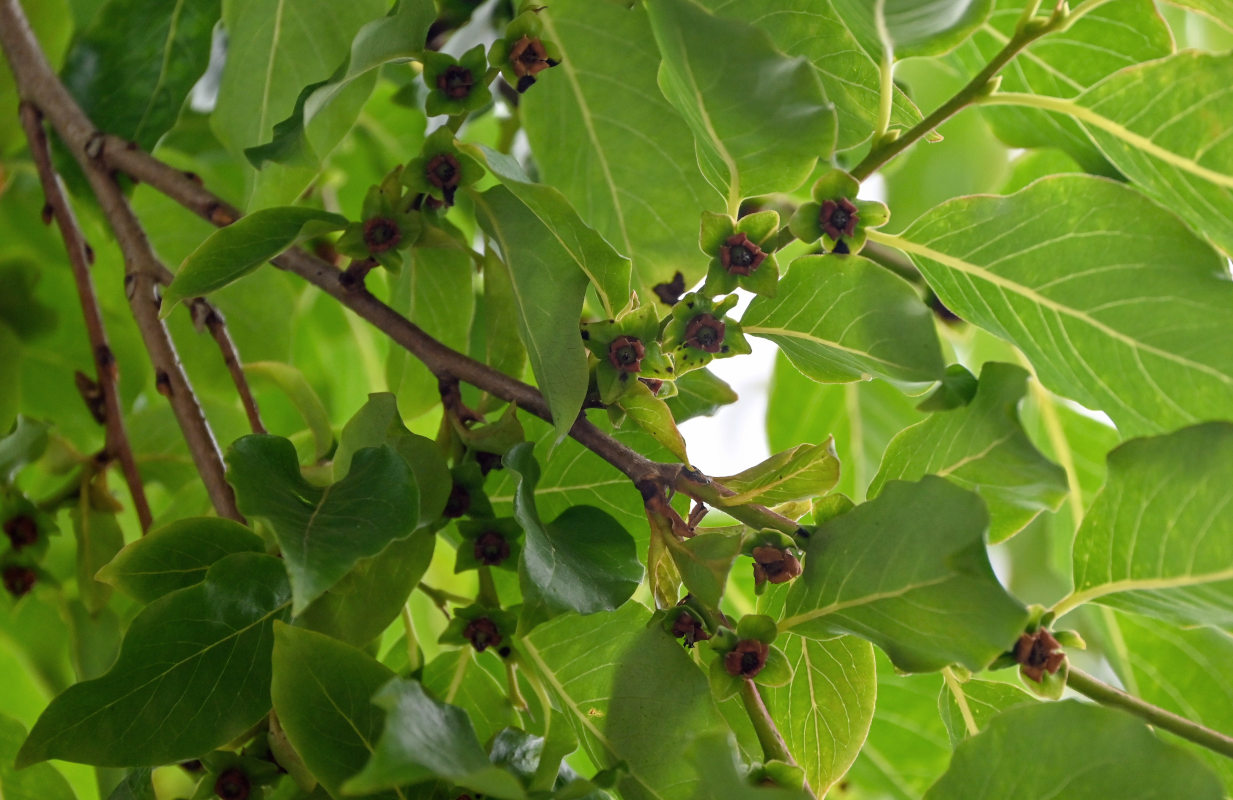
(746, 659)
(22, 531)
(705, 332)
(774, 565)
(482, 633)
(625, 353)
(233, 784)
(1038, 653)
(19, 580)
(491, 548)
(838, 218)
(740, 256)
(456, 82)
(381, 234)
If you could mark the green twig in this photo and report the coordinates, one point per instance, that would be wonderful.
(884, 150)
(1105, 694)
(773, 745)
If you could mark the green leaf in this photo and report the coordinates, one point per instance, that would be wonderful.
(804, 472)
(1147, 295)
(844, 53)
(323, 532)
(176, 555)
(293, 383)
(606, 269)
(52, 24)
(39, 782)
(422, 739)
(1077, 751)
(193, 673)
(616, 148)
(1183, 671)
(843, 318)
(321, 689)
(582, 561)
(711, 86)
(24, 444)
(699, 393)
(371, 596)
(968, 706)
(1154, 541)
(824, 714)
(861, 416)
(725, 774)
(138, 784)
(99, 538)
(1219, 11)
(398, 36)
(704, 562)
(232, 252)
(378, 423)
(548, 291)
(1063, 64)
(928, 27)
(630, 692)
(909, 572)
(474, 683)
(982, 447)
(653, 415)
(133, 67)
(1164, 124)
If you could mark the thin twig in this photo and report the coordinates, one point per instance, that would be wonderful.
(1105, 694)
(107, 373)
(205, 315)
(38, 85)
(773, 745)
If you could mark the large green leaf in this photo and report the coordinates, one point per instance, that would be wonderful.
(613, 145)
(39, 782)
(232, 252)
(968, 706)
(193, 673)
(584, 560)
(1113, 300)
(862, 417)
(1078, 752)
(1220, 11)
(908, 571)
(825, 712)
(801, 473)
(423, 739)
(607, 270)
(737, 93)
(477, 684)
(1155, 540)
(321, 690)
(132, 68)
(821, 31)
(631, 693)
(924, 27)
(1109, 37)
(1181, 670)
(1165, 125)
(982, 447)
(843, 318)
(548, 291)
(323, 532)
(176, 555)
(396, 37)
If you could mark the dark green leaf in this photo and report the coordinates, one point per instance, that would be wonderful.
(1153, 541)
(1115, 278)
(474, 682)
(982, 447)
(138, 784)
(908, 571)
(548, 289)
(584, 560)
(709, 85)
(1078, 752)
(616, 148)
(234, 251)
(132, 68)
(631, 693)
(193, 673)
(176, 555)
(321, 689)
(323, 532)
(423, 739)
(724, 774)
(877, 327)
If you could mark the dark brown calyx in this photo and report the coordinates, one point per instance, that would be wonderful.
(670, 291)
(689, 628)
(746, 659)
(838, 218)
(705, 332)
(626, 353)
(456, 82)
(491, 548)
(458, 503)
(22, 531)
(233, 784)
(381, 234)
(1038, 653)
(19, 580)
(482, 633)
(774, 565)
(654, 384)
(444, 172)
(739, 255)
(529, 57)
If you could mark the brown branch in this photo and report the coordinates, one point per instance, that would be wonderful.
(206, 316)
(38, 85)
(117, 443)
